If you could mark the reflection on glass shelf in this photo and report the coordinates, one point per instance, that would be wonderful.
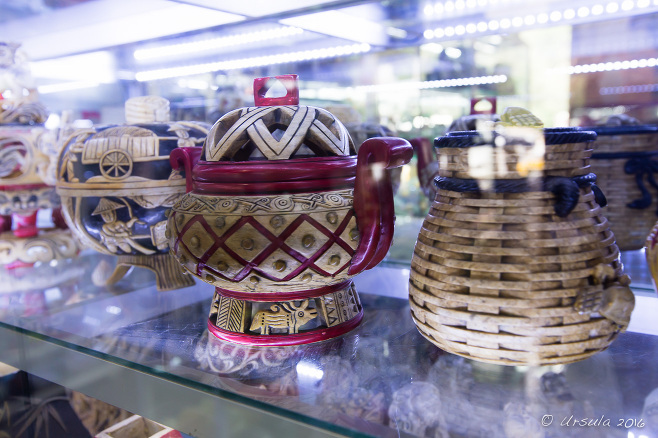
(385, 376)
(382, 379)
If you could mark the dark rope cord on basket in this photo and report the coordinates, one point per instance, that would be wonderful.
(566, 190)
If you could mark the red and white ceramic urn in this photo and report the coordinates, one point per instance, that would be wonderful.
(279, 215)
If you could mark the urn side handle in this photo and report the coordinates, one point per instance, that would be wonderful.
(373, 198)
(185, 158)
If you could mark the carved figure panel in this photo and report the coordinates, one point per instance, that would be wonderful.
(117, 184)
(287, 317)
(275, 318)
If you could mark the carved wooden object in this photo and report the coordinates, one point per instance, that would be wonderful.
(279, 216)
(116, 185)
(26, 164)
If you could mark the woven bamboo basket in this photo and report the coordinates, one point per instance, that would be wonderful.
(623, 162)
(507, 275)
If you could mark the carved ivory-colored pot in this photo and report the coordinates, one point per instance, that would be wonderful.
(515, 263)
(116, 184)
(280, 215)
(23, 192)
(26, 158)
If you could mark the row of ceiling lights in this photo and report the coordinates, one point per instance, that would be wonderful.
(282, 58)
(447, 7)
(532, 19)
(332, 52)
(216, 43)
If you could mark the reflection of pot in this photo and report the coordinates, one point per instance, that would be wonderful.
(116, 184)
(515, 263)
(416, 408)
(281, 238)
(230, 359)
(42, 276)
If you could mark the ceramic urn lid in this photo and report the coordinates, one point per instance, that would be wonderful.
(277, 129)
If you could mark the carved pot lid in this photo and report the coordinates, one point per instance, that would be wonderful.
(277, 128)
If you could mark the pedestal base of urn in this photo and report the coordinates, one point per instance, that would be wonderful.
(296, 318)
(168, 272)
(44, 246)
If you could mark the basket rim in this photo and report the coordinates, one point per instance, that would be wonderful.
(552, 136)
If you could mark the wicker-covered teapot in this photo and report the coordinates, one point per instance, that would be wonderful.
(279, 216)
(515, 263)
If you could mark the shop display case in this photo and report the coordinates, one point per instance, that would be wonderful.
(150, 352)
(408, 69)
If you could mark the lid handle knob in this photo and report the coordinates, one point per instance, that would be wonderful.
(263, 85)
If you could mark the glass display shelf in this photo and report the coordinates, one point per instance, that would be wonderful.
(149, 352)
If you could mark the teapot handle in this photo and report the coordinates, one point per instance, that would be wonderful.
(373, 198)
(185, 158)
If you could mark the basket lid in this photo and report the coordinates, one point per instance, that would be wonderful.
(277, 128)
(552, 136)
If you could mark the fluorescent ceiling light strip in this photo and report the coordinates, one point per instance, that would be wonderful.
(348, 92)
(443, 83)
(342, 25)
(555, 16)
(97, 67)
(449, 6)
(457, 5)
(282, 58)
(66, 86)
(215, 43)
(612, 66)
